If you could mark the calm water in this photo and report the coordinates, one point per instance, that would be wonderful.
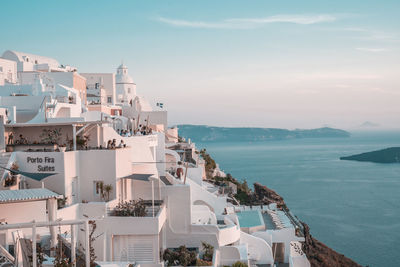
(353, 207)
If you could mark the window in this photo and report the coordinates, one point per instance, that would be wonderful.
(36, 62)
(96, 85)
(109, 99)
(129, 90)
(98, 188)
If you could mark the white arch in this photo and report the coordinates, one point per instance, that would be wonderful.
(174, 154)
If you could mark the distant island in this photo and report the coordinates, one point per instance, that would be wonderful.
(369, 124)
(239, 134)
(387, 155)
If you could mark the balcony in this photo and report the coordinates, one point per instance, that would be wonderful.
(31, 147)
(132, 208)
(126, 222)
(226, 231)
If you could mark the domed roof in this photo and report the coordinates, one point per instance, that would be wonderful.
(122, 66)
(123, 78)
(122, 75)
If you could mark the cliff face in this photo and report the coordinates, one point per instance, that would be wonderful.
(317, 252)
(321, 255)
(264, 195)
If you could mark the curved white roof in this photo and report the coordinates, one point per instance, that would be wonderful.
(22, 57)
(123, 78)
(122, 75)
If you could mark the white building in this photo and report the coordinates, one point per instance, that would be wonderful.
(126, 88)
(31, 62)
(129, 182)
(100, 88)
(8, 71)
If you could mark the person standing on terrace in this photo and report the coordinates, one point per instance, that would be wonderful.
(22, 139)
(10, 139)
(179, 170)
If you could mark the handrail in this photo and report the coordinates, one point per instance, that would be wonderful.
(6, 254)
(41, 105)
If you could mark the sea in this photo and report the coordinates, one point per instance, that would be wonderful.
(353, 207)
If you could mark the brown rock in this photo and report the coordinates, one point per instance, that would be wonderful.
(321, 255)
(265, 195)
(317, 252)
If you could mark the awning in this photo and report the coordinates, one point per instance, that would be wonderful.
(138, 177)
(26, 195)
(33, 175)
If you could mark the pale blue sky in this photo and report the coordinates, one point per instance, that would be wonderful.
(234, 63)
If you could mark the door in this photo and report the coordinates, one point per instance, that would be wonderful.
(278, 250)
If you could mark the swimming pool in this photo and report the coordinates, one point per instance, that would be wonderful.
(250, 218)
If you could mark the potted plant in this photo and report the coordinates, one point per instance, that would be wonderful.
(12, 176)
(133, 208)
(51, 136)
(62, 147)
(82, 141)
(106, 192)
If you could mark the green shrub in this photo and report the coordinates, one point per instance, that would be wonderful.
(210, 163)
(134, 208)
(208, 251)
(239, 264)
(182, 256)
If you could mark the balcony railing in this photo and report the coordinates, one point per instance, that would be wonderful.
(127, 208)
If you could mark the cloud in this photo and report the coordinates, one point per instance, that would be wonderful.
(355, 29)
(335, 76)
(196, 24)
(372, 50)
(248, 23)
(373, 35)
(297, 19)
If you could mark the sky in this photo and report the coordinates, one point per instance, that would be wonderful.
(287, 64)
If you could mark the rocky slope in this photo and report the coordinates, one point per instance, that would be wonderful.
(264, 195)
(317, 252)
(320, 254)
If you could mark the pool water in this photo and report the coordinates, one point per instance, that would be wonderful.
(250, 218)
